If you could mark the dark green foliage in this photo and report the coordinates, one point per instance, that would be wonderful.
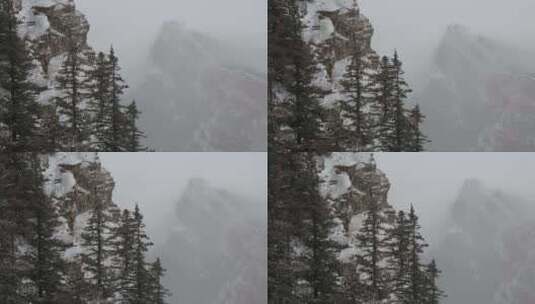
(117, 86)
(398, 253)
(355, 109)
(306, 265)
(44, 256)
(319, 259)
(416, 249)
(33, 268)
(18, 107)
(139, 278)
(158, 292)
(373, 254)
(432, 293)
(133, 135)
(69, 103)
(417, 139)
(96, 247)
(85, 114)
(291, 61)
(98, 83)
(372, 114)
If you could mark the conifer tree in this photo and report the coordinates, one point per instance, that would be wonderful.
(44, 254)
(283, 225)
(72, 88)
(355, 87)
(96, 246)
(75, 289)
(117, 86)
(306, 115)
(433, 294)
(417, 139)
(416, 248)
(18, 107)
(380, 87)
(398, 253)
(321, 266)
(51, 129)
(99, 85)
(11, 179)
(372, 255)
(133, 134)
(158, 292)
(139, 278)
(122, 251)
(399, 124)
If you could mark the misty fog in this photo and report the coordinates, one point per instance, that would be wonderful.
(477, 212)
(431, 181)
(131, 25)
(415, 27)
(196, 69)
(157, 180)
(206, 214)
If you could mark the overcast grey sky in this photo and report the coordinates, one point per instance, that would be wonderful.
(414, 27)
(156, 180)
(431, 180)
(131, 25)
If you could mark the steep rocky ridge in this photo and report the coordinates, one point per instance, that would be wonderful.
(202, 94)
(48, 26)
(216, 251)
(348, 180)
(74, 181)
(479, 95)
(330, 27)
(486, 251)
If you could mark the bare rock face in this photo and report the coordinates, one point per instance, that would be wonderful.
(349, 180)
(331, 28)
(75, 181)
(50, 27)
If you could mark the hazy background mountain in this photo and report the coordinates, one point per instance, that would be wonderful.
(206, 213)
(474, 81)
(197, 69)
(478, 214)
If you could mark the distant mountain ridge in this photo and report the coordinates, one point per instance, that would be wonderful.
(487, 247)
(480, 95)
(216, 250)
(202, 94)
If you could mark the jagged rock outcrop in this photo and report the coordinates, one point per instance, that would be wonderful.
(216, 251)
(330, 27)
(348, 180)
(50, 26)
(201, 94)
(74, 181)
(487, 248)
(479, 95)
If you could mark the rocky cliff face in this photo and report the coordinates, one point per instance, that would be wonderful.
(330, 27)
(74, 181)
(201, 94)
(348, 179)
(479, 96)
(216, 251)
(50, 26)
(487, 250)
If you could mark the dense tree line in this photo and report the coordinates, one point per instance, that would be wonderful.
(372, 113)
(108, 266)
(383, 263)
(85, 113)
